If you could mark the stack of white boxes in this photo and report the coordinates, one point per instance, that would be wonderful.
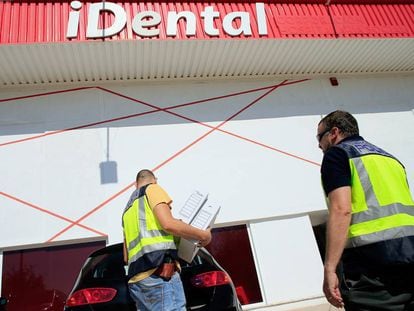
(198, 211)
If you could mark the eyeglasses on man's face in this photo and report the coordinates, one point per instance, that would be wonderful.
(321, 135)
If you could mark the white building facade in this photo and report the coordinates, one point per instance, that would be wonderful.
(225, 98)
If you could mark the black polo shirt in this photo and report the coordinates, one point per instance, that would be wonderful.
(335, 170)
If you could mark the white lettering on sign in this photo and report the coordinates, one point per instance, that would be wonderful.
(244, 24)
(209, 15)
(143, 21)
(146, 23)
(95, 9)
(73, 22)
(172, 21)
(261, 19)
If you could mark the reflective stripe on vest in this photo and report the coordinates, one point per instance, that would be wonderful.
(382, 207)
(143, 233)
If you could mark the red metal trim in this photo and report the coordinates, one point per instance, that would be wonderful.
(373, 21)
(23, 21)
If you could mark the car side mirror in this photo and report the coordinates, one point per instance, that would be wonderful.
(3, 301)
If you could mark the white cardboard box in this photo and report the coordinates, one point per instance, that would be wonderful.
(200, 212)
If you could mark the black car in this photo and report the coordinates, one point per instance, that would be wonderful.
(102, 284)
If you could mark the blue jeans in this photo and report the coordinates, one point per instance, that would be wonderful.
(154, 293)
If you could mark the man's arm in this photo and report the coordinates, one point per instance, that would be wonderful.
(339, 219)
(179, 228)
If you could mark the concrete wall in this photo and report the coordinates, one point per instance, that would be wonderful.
(69, 157)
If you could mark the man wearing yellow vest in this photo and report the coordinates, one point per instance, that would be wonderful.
(150, 233)
(369, 259)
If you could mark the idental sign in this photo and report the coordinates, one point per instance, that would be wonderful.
(146, 23)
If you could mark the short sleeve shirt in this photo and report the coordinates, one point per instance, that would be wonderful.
(156, 195)
(335, 170)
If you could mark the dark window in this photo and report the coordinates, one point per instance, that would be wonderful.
(231, 248)
(41, 279)
(320, 236)
(105, 266)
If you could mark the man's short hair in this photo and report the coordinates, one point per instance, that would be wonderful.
(144, 174)
(343, 120)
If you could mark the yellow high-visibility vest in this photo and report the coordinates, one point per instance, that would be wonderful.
(146, 241)
(382, 205)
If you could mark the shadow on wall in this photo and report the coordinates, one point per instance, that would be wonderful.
(33, 112)
(108, 169)
(109, 172)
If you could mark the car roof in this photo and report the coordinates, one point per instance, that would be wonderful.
(114, 248)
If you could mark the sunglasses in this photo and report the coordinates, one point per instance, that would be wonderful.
(320, 135)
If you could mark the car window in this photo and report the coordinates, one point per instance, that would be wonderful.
(105, 266)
